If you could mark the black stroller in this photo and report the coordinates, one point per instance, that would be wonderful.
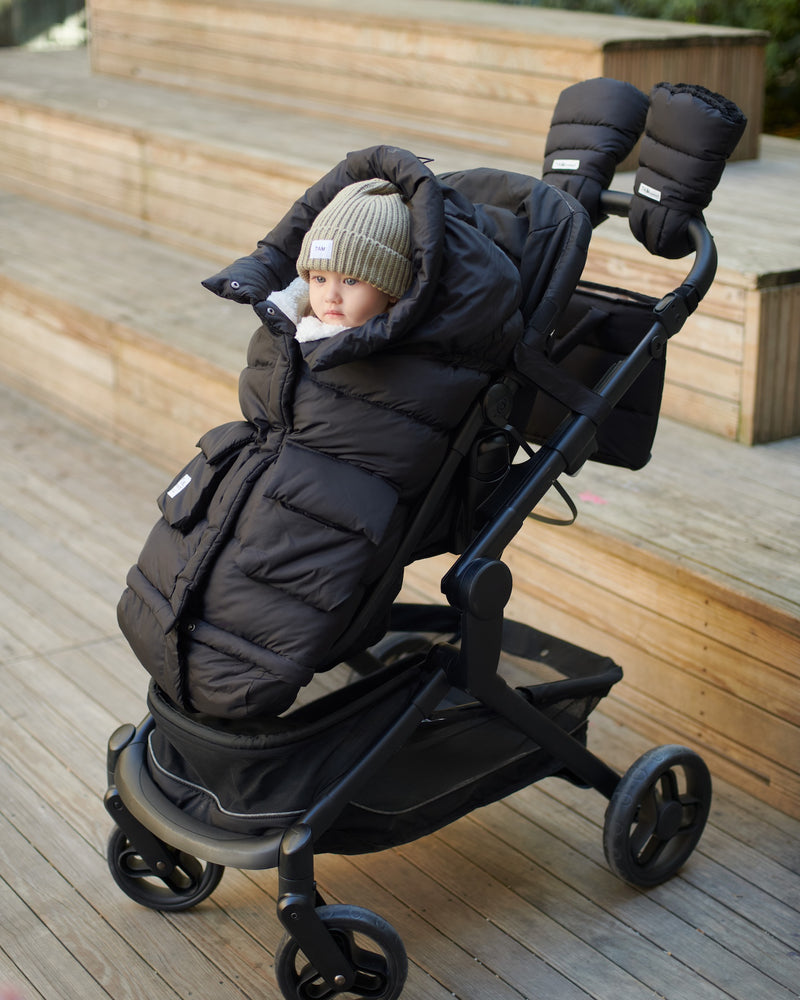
(433, 730)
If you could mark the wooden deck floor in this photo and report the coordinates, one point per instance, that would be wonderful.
(512, 901)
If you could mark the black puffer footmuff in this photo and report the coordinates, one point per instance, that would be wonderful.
(596, 123)
(689, 134)
(273, 535)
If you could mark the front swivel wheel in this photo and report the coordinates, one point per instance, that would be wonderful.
(189, 882)
(370, 944)
(656, 815)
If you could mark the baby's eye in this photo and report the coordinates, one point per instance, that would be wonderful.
(319, 279)
(351, 281)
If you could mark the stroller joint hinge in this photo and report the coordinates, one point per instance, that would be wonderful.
(484, 588)
(296, 862)
(153, 852)
(675, 308)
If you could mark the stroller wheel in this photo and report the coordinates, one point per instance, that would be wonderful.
(372, 946)
(657, 815)
(190, 882)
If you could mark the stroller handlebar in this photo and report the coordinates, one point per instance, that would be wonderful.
(704, 268)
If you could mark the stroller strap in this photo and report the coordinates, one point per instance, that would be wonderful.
(538, 369)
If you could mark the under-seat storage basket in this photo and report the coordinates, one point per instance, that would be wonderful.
(462, 757)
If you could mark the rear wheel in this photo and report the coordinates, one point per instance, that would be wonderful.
(656, 815)
(189, 883)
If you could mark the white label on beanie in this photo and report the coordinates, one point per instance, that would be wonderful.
(566, 164)
(321, 249)
(647, 192)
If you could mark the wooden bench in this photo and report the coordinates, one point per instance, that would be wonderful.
(478, 75)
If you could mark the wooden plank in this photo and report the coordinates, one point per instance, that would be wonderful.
(569, 847)
(703, 372)
(660, 949)
(521, 73)
(738, 74)
(524, 945)
(515, 900)
(464, 64)
(435, 942)
(476, 123)
(778, 365)
(73, 939)
(765, 887)
(408, 51)
(718, 416)
(184, 968)
(39, 955)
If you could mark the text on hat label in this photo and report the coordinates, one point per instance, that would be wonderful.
(321, 249)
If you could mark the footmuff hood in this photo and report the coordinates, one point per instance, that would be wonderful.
(458, 273)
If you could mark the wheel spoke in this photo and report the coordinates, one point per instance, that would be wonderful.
(669, 787)
(692, 814)
(651, 851)
(134, 864)
(370, 967)
(311, 985)
(645, 826)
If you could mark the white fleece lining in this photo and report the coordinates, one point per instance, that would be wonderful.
(293, 302)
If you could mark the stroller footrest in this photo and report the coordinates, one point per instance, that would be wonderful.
(147, 803)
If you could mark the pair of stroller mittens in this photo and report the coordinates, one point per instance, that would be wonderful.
(689, 133)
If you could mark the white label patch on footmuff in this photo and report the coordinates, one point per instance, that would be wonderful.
(179, 487)
(647, 192)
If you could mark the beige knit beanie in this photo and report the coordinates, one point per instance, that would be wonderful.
(364, 233)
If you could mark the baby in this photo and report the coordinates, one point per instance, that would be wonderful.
(354, 264)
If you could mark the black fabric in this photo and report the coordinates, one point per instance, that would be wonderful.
(600, 327)
(257, 776)
(273, 536)
(250, 777)
(689, 134)
(595, 125)
(543, 230)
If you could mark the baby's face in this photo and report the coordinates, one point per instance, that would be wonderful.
(342, 301)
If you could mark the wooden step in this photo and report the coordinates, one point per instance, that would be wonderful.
(481, 75)
(116, 330)
(211, 176)
(684, 572)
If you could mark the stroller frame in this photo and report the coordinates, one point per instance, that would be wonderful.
(651, 828)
